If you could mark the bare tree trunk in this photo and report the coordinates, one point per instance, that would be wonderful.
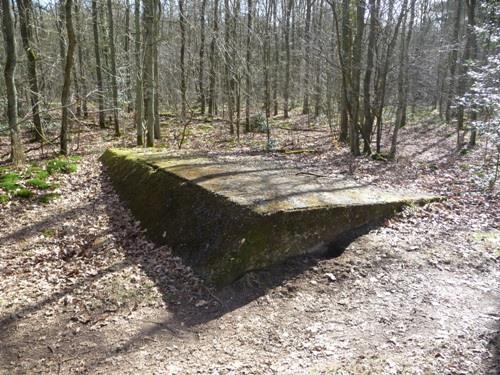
(16, 146)
(317, 67)
(453, 59)
(149, 40)
(472, 48)
(402, 79)
(276, 61)
(248, 86)
(126, 50)
(368, 124)
(97, 51)
(114, 85)
(345, 49)
(138, 74)
(307, 52)
(201, 65)
(66, 90)
(182, 23)
(383, 70)
(215, 29)
(26, 25)
(267, 59)
(81, 75)
(286, 94)
(156, 102)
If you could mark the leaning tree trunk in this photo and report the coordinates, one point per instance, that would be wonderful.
(17, 152)
(26, 25)
(66, 90)
(97, 51)
(114, 84)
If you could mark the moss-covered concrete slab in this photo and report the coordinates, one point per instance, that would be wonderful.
(226, 216)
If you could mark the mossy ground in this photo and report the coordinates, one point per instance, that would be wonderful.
(33, 180)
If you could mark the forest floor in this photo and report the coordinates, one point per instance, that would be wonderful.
(83, 291)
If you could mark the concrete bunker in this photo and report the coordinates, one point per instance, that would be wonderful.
(226, 216)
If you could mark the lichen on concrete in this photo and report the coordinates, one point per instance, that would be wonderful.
(226, 217)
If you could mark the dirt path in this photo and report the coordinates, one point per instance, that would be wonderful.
(83, 291)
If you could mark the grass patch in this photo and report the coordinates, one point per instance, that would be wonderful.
(4, 198)
(62, 165)
(49, 197)
(40, 184)
(37, 172)
(23, 193)
(9, 181)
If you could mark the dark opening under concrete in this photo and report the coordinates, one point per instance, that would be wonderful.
(225, 216)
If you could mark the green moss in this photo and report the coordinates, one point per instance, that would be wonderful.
(4, 198)
(37, 173)
(8, 181)
(23, 193)
(62, 165)
(40, 184)
(49, 197)
(49, 232)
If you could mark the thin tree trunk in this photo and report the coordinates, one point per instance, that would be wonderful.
(81, 74)
(182, 23)
(453, 60)
(66, 90)
(16, 146)
(472, 48)
(97, 51)
(156, 103)
(114, 84)
(267, 59)
(248, 75)
(26, 25)
(317, 68)
(307, 52)
(402, 79)
(276, 60)
(126, 50)
(368, 124)
(138, 74)
(201, 65)
(383, 72)
(345, 62)
(149, 40)
(215, 29)
(286, 94)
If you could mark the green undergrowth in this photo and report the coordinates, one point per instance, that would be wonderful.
(35, 180)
